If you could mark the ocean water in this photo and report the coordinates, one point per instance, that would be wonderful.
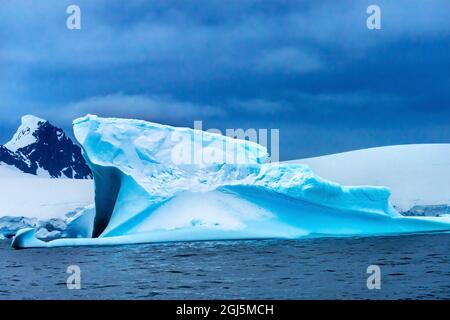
(412, 267)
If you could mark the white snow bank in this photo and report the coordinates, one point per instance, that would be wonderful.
(49, 205)
(26, 195)
(7, 171)
(417, 174)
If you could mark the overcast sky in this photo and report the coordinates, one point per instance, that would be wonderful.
(309, 68)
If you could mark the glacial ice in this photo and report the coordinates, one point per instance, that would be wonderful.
(76, 226)
(157, 183)
(416, 174)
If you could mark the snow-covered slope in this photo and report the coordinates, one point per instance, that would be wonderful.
(31, 200)
(418, 175)
(24, 135)
(7, 171)
(42, 149)
(162, 183)
(44, 198)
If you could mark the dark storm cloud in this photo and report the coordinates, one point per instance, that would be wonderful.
(310, 68)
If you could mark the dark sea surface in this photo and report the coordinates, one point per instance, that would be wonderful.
(412, 267)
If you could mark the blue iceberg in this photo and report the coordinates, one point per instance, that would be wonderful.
(157, 183)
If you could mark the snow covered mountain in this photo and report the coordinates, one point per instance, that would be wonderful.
(39, 148)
